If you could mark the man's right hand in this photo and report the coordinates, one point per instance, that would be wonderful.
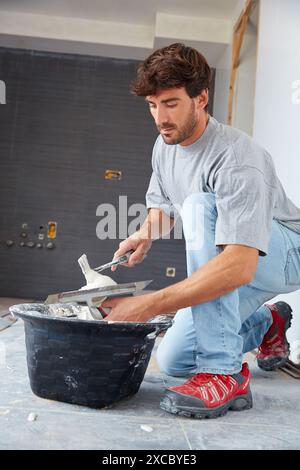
(136, 242)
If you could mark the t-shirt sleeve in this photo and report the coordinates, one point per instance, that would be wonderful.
(245, 203)
(156, 196)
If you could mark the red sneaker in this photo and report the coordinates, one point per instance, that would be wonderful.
(209, 395)
(274, 350)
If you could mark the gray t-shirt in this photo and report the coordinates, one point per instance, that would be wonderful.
(227, 162)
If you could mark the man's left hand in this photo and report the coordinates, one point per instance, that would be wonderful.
(133, 309)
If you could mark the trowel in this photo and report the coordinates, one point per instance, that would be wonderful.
(93, 297)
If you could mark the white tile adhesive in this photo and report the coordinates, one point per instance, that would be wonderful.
(93, 281)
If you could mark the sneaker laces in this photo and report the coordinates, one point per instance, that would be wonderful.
(199, 379)
(203, 378)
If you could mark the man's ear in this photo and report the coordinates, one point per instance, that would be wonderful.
(202, 99)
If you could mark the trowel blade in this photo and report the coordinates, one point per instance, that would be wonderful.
(84, 294)
(141, 284)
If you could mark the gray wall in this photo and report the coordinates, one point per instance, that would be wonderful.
(67, 119)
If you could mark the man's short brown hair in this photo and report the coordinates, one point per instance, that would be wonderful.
(176, 66)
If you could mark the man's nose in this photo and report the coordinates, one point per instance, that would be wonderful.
(161, 116)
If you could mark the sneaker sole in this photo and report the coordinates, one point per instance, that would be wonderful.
(239, 403)
(275, 362)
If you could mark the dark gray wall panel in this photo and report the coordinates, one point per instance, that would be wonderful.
(67, 119)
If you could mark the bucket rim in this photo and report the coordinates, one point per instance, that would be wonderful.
(18, 311)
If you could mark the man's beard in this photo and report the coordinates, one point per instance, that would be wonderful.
(180, 134)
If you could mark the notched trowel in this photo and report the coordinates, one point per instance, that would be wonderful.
(94, 296)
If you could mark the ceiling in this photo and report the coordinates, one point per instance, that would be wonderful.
(118, 28)
(125, 11)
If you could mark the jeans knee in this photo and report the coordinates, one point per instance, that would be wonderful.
(205, 199)
(199, 215)
(199, 206)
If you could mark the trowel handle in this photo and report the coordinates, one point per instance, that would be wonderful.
(120, 260)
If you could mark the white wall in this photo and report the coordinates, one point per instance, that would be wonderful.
(243, 103)
(244, 95)
(222, 81)
(277, 103)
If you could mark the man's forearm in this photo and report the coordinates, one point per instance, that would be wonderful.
(219, 276)
(156, 225)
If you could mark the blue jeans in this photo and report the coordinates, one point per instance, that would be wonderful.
(212, 337)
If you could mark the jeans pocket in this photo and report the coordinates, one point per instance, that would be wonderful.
(292, 267)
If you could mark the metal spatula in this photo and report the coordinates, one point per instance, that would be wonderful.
(120, 260)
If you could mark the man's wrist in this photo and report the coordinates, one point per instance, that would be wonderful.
(155, 301)
(145, 232)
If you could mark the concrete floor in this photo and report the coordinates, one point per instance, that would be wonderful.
(273, 423)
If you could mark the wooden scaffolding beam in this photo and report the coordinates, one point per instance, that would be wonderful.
(238, 36)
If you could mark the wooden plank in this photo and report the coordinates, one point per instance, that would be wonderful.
(238, 36)
(246, 12)
(291, 369)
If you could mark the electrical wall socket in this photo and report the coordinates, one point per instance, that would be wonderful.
(170, 271)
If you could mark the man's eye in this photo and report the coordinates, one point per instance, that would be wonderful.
(172, 105)
(151, 105)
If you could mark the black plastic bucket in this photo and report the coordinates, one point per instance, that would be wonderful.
(91, 363)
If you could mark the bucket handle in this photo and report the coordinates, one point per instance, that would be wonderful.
(162, 323)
